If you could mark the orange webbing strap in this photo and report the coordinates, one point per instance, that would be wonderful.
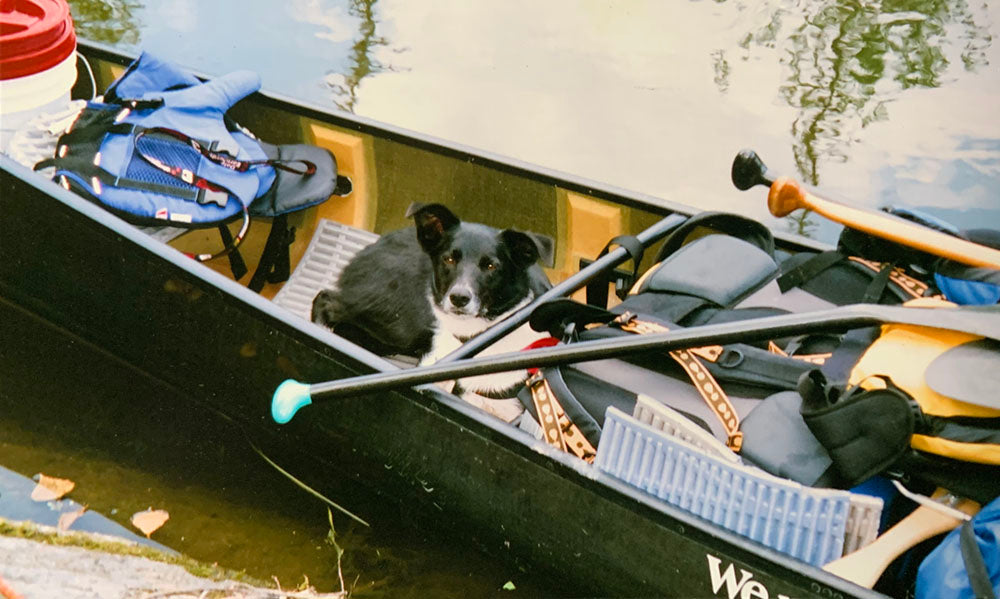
(704, 382)
(818, 359)
(914, 287)
(557, 429)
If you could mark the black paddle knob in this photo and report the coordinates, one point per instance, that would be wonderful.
(749, 170)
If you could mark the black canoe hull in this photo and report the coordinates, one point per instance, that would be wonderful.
(87, 272)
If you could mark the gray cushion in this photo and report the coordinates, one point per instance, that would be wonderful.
(718, 268)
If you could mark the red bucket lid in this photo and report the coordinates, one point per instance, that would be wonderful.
(35, 35)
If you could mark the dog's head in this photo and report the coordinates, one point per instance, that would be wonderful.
(479, 272)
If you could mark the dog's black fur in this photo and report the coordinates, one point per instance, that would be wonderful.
(441, 277)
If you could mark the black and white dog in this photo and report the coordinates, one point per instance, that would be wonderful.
(423, 291)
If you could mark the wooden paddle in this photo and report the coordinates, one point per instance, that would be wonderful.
(787, 195)
(865, 566)
(984, 321)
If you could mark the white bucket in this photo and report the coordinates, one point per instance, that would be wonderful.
(37, 62)
(24, 98)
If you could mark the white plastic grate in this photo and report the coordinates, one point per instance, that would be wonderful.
(332, 247)
(813, 525)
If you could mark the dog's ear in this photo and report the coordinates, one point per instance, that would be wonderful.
(527, 248)
(413, 208)
(433, 222)
(546, 248)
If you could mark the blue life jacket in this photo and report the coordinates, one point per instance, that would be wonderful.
(159, 149)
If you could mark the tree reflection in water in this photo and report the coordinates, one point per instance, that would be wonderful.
(361, 57)
(847, 60)
(112, 22)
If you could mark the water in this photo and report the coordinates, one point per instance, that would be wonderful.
(71, 411)
(877, 102)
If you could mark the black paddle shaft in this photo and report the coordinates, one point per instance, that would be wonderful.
(590, 272)
(980, 320)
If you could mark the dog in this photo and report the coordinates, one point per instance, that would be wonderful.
(422, 291)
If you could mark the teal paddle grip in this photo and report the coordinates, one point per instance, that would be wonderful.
(288, 399)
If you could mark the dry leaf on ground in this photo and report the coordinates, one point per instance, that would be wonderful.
(149, 520)
(50, 488)
(7, 592)
(66, 519)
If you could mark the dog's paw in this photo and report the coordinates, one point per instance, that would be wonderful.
(326, 308)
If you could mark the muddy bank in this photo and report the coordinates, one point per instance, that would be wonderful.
(39, 562)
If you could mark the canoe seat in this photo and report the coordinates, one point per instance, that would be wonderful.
(330, 249)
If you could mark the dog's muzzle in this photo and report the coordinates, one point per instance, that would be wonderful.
(461, 301)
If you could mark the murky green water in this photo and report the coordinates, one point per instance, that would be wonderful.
(879, 102)
(68, 410)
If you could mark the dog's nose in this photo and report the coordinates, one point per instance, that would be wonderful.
(459, 298)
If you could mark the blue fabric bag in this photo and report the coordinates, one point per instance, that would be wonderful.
(966, 565)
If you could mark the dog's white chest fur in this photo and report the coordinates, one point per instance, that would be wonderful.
(450, 327)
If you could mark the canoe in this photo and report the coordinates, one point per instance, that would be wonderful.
(81, 269)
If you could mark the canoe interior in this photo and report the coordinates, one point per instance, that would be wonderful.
(93, 276)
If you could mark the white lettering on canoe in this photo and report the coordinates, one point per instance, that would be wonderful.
(744, 588)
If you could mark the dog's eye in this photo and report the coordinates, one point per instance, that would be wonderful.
(491, 266)
(449, 260)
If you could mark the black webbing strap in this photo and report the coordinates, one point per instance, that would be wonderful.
(275, 264)
(837, 368)
(873, 293)
(236, 262)
(94, 133)
(808, 269)
(597, 290)
(908, 286)
(975, 565)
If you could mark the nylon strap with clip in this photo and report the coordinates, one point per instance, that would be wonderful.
(557, 429)
(703, 381)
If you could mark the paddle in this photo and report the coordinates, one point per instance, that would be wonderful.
(787, 195)
(291, 395)
(865, 566)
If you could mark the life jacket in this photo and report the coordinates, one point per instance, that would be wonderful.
(159, 149)
(915, 392)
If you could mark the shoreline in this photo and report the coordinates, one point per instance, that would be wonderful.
(41, 562)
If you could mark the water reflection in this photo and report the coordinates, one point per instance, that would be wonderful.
(847, 60)
(108, 21)
(361, 57)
